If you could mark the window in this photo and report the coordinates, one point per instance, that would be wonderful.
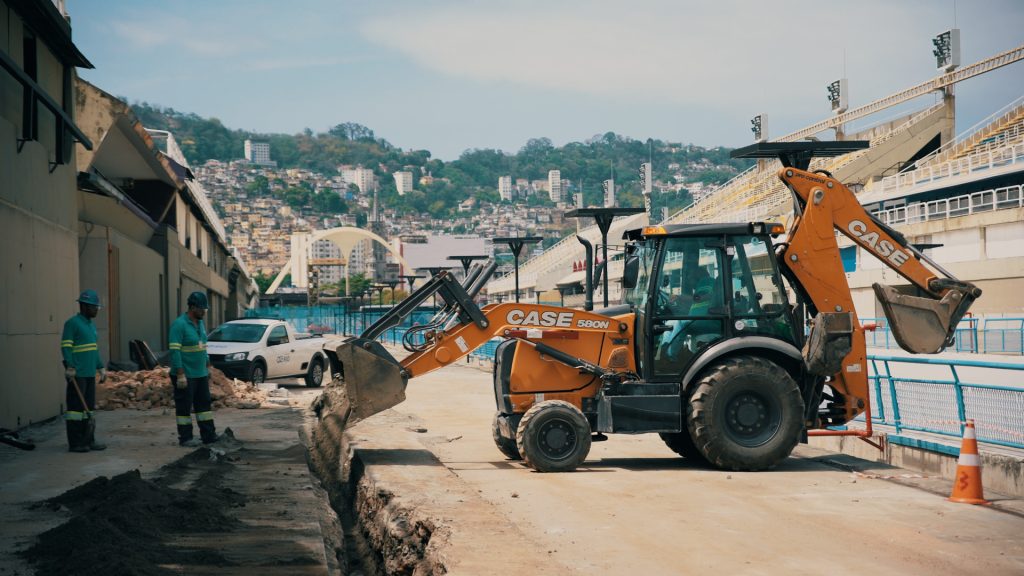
(277, 336)
(690, 309)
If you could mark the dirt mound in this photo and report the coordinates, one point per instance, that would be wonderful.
(147, 389)
(121, 525)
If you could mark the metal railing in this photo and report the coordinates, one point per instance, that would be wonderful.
(991, 335)
(965, 205)
(1003, 335)
(965, 165)
(937, 396)
(969, 138)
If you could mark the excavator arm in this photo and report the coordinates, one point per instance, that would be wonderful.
(375, 381)
(836, 347)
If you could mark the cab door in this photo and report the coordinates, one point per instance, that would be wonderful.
(279, 353)
(688, 311)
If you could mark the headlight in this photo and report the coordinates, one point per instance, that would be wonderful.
(236, 356)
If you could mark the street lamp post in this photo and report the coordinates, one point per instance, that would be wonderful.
(392, 284)
(515, 244)
(410, 279)
(467, 260)
(603, 217)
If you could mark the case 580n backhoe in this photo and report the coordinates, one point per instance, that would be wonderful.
(710, 350)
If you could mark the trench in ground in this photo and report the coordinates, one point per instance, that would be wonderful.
(378, 535)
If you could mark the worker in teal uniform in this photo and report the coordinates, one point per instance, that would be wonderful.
(82, 364)
(190, 373)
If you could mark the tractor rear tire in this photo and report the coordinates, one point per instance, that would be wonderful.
(553, 436)
(745, 414)
(506, 445)
(682, 443)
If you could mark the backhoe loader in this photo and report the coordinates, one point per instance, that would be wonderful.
(735, 341)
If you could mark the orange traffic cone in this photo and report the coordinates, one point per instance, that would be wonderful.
(967, 486)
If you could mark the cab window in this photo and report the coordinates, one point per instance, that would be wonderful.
(757, 299)
(690, 310)
(277, 336)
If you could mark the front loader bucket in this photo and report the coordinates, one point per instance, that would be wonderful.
(372, 378)
(922, 325)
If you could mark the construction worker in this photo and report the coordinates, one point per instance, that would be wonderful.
(190, 373)
(81, 358)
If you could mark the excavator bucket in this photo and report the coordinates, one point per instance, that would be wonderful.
(372, 378)
(923, 325)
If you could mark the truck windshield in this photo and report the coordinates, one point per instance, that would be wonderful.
(238, 333)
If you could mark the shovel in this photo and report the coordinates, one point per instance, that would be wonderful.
(90, 426)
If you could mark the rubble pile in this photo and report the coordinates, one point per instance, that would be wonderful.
(147, 389)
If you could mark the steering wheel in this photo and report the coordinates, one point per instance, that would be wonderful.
(663, 306)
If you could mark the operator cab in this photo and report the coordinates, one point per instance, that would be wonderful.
(696, 285)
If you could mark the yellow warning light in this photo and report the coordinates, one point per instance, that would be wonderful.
(777, 229)
(654, 231)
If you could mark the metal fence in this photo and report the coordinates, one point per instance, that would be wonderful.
(937, 396)
(975, 335)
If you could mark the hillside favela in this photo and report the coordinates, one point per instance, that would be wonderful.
(457, 288)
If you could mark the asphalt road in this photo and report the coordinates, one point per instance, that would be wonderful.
(636, 508)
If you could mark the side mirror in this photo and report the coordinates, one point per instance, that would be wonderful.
(630, 272)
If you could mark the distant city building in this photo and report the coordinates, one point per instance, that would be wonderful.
(364, 178)
(505, 187)
(555, 185)
(609, 193)
(403, 182)
(258, 153)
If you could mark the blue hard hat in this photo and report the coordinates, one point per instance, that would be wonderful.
(89, 297)
(198, 299)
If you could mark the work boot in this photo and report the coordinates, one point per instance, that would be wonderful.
(190, 443)
(76, 436)
(91, 440)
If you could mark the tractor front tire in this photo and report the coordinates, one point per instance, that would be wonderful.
(553, 436)
(745, 414)
(505, 444)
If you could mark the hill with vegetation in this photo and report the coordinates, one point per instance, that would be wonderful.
(475, 173)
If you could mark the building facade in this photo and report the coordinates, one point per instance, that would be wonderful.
(258, 153)
(403, 182)
(505, 188)
(555, 185)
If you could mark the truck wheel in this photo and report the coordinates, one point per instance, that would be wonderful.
(315, 373)
(682, 443)
(506, 445)
(553, 436)
(746, 413)
(258, 373)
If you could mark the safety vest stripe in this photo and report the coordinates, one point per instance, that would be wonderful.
(74, 416)
(66, 343)
(174, 346)
(184, 420)
(197, 348)
(85, 347)
(204, 416)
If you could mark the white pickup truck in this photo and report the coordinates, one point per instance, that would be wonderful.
(258, 349)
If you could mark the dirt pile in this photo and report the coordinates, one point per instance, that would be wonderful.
(147, 389)
(122, 525)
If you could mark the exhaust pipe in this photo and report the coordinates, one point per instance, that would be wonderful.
(588, 266)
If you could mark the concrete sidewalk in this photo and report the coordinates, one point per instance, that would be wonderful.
(267, 466)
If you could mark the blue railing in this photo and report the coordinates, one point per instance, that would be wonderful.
(936, 395)
(975, 335)
(1004, 335)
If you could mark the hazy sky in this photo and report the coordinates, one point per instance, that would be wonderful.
(451, 75)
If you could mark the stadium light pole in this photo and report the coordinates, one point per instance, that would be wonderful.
(515, 244)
